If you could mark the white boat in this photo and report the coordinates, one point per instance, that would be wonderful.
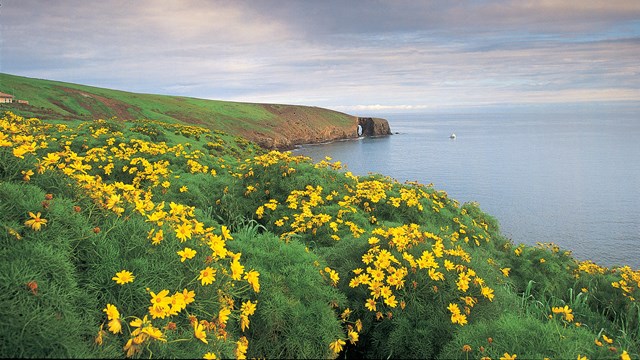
(452, 136)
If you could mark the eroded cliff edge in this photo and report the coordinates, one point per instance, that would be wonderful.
(298, 125)
(373, 126)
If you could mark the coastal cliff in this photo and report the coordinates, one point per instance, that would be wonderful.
(299, 125)
(272, 126)
(373, 126)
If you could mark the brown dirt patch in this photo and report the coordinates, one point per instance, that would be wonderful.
(102, 107)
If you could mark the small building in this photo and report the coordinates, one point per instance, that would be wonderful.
(6, 98)
(25, 102)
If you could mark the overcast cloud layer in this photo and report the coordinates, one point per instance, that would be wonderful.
(353, 56)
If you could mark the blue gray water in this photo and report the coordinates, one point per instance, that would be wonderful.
(573, 180)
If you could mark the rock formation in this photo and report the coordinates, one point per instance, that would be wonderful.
(373, 127)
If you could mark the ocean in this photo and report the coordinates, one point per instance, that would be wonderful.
(570, 179)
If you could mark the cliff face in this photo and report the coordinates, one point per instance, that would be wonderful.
(297, 125)
(373, 126)
(292, 133)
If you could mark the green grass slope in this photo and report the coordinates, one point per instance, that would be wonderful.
(148, 239)
(270, 125)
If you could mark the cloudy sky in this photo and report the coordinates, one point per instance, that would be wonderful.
(352, 56)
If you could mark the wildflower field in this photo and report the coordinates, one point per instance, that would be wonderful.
(147, 239)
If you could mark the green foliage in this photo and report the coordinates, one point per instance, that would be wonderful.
(296, 319)
(44, 310)
(513, 333)
(308, 229)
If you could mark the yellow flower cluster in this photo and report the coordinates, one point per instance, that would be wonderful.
(147, 176)
(276, 157)
(456, 316)
(306, 220)
(385, 272)
(372, 190)
(629, 283)
(271, 205)
(326, 163)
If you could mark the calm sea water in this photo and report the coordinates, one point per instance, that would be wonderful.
(569, 179)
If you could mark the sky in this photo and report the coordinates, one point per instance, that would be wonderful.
(351, 56)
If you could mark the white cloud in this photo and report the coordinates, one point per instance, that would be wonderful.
(396, 56)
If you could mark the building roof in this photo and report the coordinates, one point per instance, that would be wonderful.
(3, 95)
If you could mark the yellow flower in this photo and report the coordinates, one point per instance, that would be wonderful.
(101, 333)
(597, 342)
(115, 326)
(14, 233)
(112, 312)
(113, 315)
(187, 253)
(27, 175)
(333, 275)
(158, 311)
(580, 357)
(391, 301)
(199, 333)
(184, 189)
(35, 222)
(160, 300)
(625, 356)
(487, 293)
(226, 234)
(453, 308)
(223, 315)
(336, 346)
(207, 276)
(123, 277)
(607, 339)
(248, 307)
(183, 232)
(244, 322)
(506, 356)
(252, 279)
(353, 337)
(209, 356)
(236, 268)
(358, 325)
(188, 296)
(505, 271)
(568, 316)
(158, 237)
(459, 319)
(370, 304)
(241, 348)
(154, 333)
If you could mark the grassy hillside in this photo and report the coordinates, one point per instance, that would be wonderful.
(149, 239)
(271, 125)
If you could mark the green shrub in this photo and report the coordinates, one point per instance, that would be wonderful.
(295, 318)
(524, 336)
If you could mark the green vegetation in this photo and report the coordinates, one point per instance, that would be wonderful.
(157, 239)
(54, 100)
